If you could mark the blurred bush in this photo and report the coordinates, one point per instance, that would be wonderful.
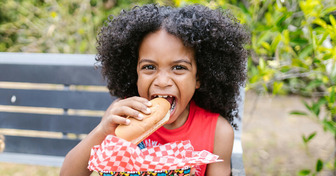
(292, 49)
(51, 26)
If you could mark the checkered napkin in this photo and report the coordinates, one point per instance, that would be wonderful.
(118, 155)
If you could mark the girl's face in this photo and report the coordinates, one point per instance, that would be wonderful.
(167, 68)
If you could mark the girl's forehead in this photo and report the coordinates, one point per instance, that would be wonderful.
(161, 36)
(161, 44)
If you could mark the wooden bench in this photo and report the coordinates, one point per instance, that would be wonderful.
(48, 102)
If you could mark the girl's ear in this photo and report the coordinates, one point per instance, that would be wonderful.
(198, 83)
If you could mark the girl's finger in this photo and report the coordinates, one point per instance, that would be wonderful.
(138, 99)
(128, 111)
(139, 106)
(120, 120)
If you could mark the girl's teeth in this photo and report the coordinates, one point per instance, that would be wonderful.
(163, 96)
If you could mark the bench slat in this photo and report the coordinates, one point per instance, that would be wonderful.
(47, 58)
(46, 122)
(37, 145)
(52, 74)
(68, 99)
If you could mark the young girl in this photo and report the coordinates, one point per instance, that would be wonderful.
(192, 56)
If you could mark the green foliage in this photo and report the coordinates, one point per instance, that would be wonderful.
(319, 165)
(318, 168)
(51, 26)
(304, 172)
(307, 139)
(296, 45)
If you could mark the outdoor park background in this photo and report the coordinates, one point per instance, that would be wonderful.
(289, 120)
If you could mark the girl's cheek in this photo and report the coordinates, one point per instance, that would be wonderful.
(143, 88)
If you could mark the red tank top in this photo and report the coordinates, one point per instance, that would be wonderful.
(199, 129)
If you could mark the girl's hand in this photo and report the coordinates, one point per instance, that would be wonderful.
(121, 108)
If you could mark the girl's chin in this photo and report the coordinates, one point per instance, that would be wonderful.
(172, 119)
(172, 122)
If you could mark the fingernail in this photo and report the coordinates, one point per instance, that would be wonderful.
(140, 116)
(148, 110)
(149, 103)
(128, 121)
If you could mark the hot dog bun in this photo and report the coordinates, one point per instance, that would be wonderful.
(138, 130)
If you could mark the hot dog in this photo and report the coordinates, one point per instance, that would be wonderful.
(138, 130)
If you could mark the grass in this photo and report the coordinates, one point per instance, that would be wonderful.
(10, 169)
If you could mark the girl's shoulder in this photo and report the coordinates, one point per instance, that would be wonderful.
(224, 129)
(224, 134)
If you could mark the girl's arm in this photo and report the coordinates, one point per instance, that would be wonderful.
(223, 145)
(76, 161)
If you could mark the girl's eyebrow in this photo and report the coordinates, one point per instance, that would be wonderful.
(183, 60)
(146, 60)
(176, 61)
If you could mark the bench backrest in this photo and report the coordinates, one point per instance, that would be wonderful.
(55, 95)
(49, 101)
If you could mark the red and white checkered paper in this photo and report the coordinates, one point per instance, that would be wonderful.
(118, 155)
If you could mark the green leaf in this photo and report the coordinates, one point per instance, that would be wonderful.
(319, 165)
(275, 42)
(332, 96)
(262, 64)
(314, 83)
(277, 87)
(307, 106)
(299, 41)
(328, 10)
(309, 138)
(325, 35)
(298, 113)
(279, 21)
(316, 61)
(332, 21)
(267, 46)
(298, 63)
(304, 172)
(306, 51)
(320, 22)
(285, 69)
(317, 106)
(263, 37)
(329, 125)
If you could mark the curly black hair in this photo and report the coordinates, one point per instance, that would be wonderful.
(217, 38)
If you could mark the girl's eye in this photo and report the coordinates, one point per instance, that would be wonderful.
(148, 67)
(179, 67)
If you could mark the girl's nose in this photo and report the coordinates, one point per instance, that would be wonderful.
(163, 80)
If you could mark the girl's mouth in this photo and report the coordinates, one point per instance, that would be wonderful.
(170, 99)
